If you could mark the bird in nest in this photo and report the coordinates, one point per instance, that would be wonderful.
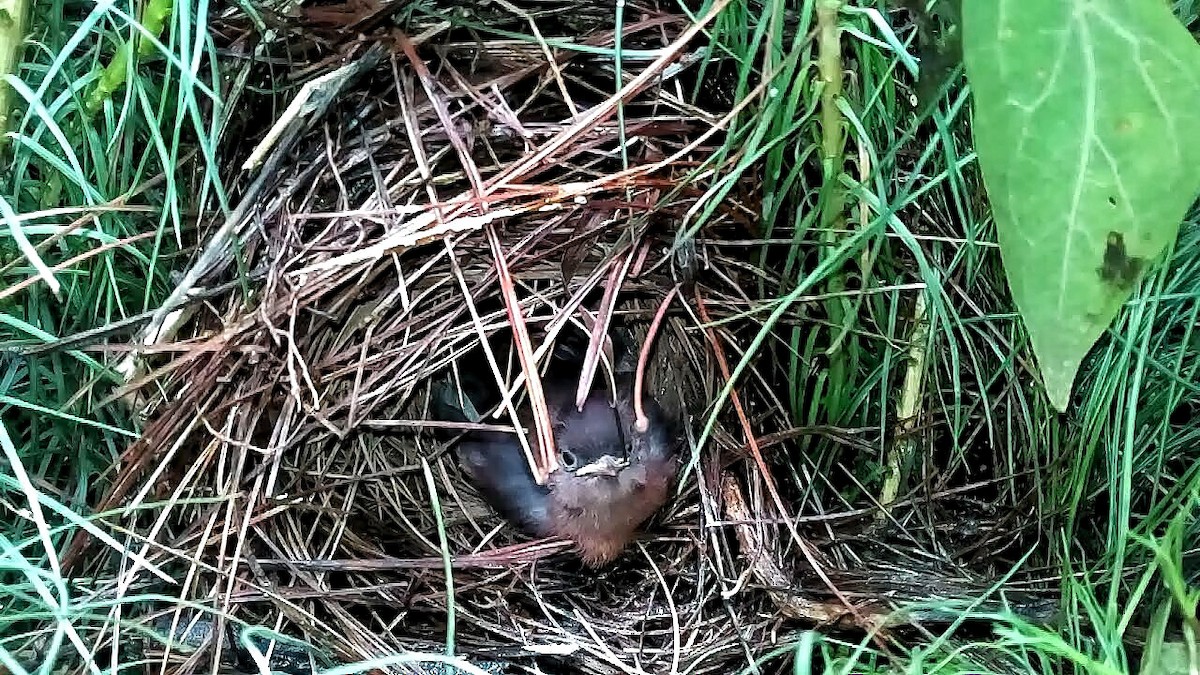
(612, 472)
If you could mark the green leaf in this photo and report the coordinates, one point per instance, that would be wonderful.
(1087, 127)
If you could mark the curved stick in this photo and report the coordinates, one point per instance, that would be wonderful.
(642, 423)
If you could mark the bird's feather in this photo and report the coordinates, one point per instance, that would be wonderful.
(599, 512)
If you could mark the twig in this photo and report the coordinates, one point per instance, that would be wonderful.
(545, 464)
(617, 271)
(642, 422)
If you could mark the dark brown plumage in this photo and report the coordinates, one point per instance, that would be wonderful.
(612, 478)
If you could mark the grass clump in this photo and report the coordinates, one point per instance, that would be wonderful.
(102, 189)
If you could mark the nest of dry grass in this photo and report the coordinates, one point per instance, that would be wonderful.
(284, 442)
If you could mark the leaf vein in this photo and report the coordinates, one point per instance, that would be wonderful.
(1087, 134)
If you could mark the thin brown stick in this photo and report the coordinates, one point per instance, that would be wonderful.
(545, 464)
(617, 271)
(71, 262)
(642, 423)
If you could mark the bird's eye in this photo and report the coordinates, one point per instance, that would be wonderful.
(569, 461)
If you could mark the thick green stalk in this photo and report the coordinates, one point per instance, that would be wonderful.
(833, 198)
(13, 17)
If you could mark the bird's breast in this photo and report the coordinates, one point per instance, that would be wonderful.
(602, 515)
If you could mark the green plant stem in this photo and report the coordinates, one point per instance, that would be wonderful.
(154, 19)
(833, 198)
(905, 445)
(13, 17)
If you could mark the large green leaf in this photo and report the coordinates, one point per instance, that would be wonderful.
(1087, 127)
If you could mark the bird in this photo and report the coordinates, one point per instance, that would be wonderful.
(611, 476)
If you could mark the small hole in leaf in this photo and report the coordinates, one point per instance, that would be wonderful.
(1112, 201)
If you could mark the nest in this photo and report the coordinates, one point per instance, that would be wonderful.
(433, 176)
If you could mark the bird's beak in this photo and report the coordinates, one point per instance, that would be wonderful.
(605, 466)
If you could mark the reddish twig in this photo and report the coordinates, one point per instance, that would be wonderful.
(642, 423)
(543, 465)
(616, 277)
